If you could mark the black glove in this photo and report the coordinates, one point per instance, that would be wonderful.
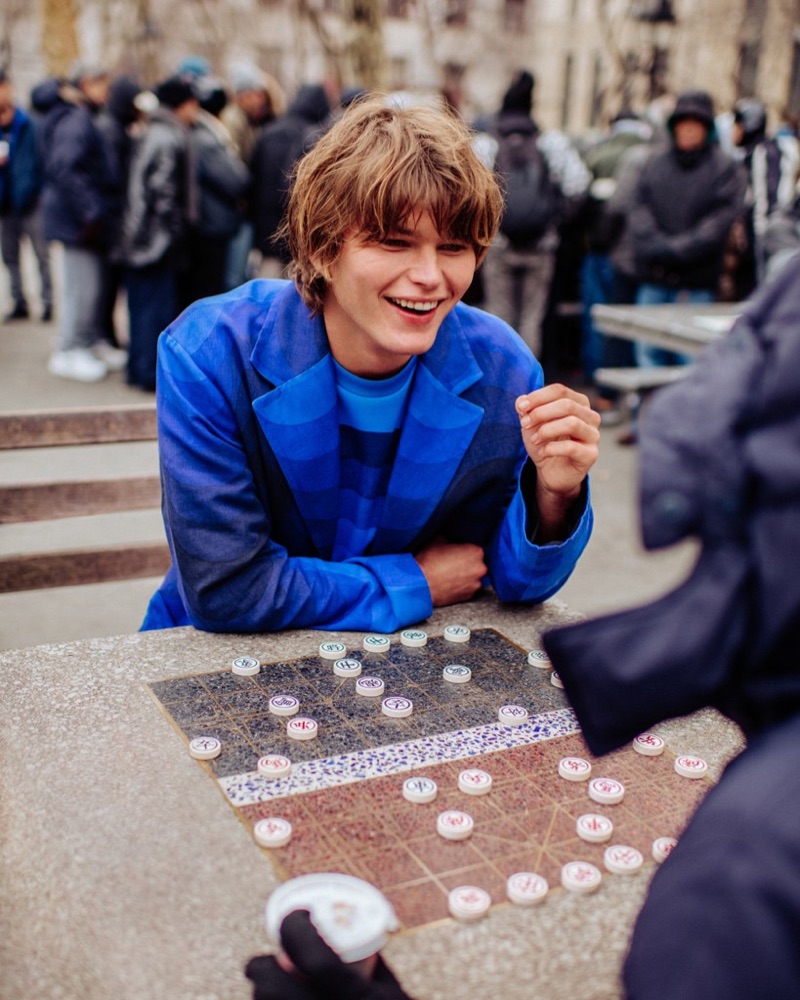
(322, 974)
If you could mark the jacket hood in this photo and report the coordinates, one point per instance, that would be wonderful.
(311, 103)
(122, 92)
(720, 462)
(509, 122)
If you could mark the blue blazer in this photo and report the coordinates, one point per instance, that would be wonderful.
(249, 443)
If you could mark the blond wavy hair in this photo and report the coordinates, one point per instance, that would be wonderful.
(377, 166)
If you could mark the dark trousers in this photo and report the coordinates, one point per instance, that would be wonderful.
(203, 269)
(152, 306)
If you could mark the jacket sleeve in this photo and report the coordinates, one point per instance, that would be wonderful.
(710, 232)
(70, 146)
(232, 574)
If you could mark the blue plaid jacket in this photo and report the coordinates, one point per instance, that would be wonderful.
(249, 442)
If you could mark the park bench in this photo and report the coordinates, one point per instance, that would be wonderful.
(89, 489)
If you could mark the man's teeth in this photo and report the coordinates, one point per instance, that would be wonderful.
(415, 306)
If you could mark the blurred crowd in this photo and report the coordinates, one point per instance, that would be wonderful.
(161, 196)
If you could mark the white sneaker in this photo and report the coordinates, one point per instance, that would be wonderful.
(77, 363)
(112, 357)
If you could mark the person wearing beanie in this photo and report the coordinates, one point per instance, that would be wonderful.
(686, 199)
(161, 204)
(544, 180)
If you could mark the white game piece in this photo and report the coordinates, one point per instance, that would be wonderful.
(473, 781)
(205, 748)
(556, 681)
(456, 673)
(606, 791)
(468, 902)
(350, 915)
(663, 847)
(273, 832)
(332, 650)
(574, 769)
(396, 707)
(649, 745)
(302, 728)
(512, 715)
(347, 668)
(691, 767)
(594, 828)
(526, 888)
(420, 790)
(245, 666)
(377, 643)
(284, 704)
(274, 766)
(622, 860)
(370, 687)
(454, 825)
(538, 658)
(413, 637)
(457, 633)
(580, 876)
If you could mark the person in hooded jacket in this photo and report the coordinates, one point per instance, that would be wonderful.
(281, 143)
(722, 916)
(78, 205)
(688, 195)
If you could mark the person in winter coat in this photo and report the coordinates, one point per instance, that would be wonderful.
(520, 265)
(78, 203)
(20, 189)
(221, 181)
(162, 202)
(277, 149)
(720, 462)
(687, 196)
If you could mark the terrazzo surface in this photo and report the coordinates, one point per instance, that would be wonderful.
(125, 873)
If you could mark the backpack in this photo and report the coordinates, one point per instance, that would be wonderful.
(532, 198)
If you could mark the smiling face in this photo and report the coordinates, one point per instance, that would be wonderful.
(387, 297)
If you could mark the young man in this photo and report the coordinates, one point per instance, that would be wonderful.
(356, 448)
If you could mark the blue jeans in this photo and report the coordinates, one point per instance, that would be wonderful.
(602, 284)
(648, 356)
(152, 306)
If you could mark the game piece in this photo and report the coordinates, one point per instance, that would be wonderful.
(556, 681)
(332, 650)
(456, 673)
(420, 790)
(274, 766)
(649, 745)
(454, 825)
(473, 781)
(457, 633)
(606, 791)
(526, 888)
(273, 832)
(302, 729)
(663, 847)
(347, 668)
(245, 666)
(594, 828)
(580, 876)
(622, 860)
(538, 658)
(413, 637)
(351, 916)
(468, 902)
(370, 687)
(691, 767)
(512, 715)
(574, 769)
(205, 748)
(377, 643)
(396, 707)
(284, 704)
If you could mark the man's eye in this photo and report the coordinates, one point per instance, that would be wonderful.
(394, 242)
(454, 247)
